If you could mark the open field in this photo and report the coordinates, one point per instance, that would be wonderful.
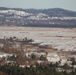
(59, 38)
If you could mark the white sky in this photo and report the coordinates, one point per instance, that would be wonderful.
(66, 4)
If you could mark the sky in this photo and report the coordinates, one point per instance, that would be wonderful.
(39, 4)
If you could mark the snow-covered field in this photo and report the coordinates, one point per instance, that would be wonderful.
(59, 38)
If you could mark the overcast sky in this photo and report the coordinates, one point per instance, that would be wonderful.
(66, 4)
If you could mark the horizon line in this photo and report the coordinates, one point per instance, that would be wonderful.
(37, 8)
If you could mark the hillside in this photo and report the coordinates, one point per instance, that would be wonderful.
(53, 17)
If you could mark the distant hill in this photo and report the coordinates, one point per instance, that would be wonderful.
(53, 17)
(54, 12)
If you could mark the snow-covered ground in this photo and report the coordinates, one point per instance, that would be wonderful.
(19, 13)
(61, 39)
